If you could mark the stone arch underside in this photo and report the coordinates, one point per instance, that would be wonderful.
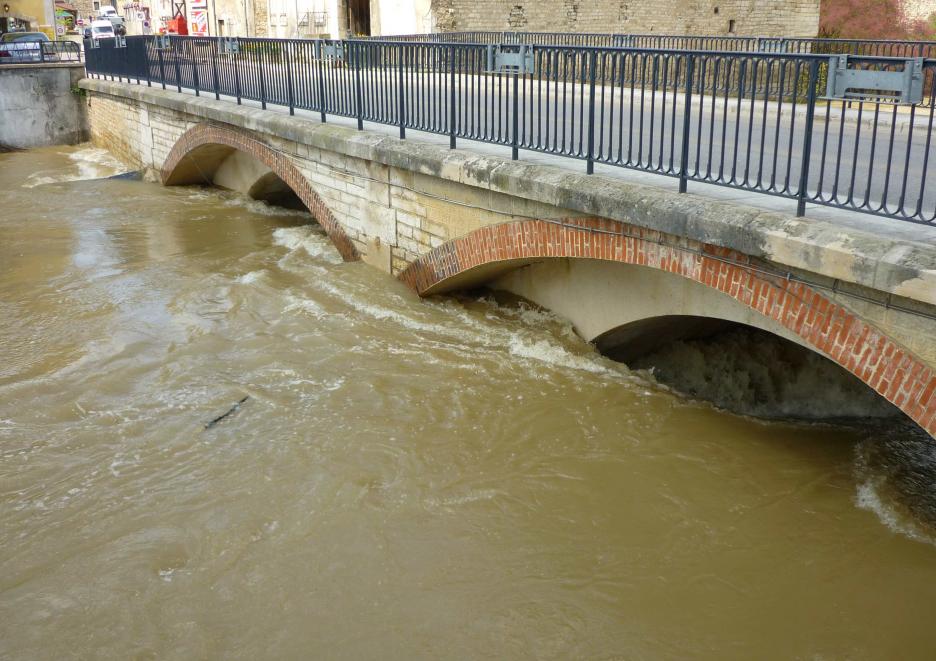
(201, 152)
(799, 309)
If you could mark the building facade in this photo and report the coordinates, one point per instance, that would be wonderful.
(341, 18)
(768, 18)
(27, 15)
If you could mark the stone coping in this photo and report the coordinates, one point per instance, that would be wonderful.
(41, 65)
(891, 265)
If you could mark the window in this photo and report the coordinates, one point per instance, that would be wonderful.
(731, 26)
(97, 6)
(716, 10)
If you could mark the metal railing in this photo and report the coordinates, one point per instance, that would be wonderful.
(36, 52)
(817, 46)
(750, 121)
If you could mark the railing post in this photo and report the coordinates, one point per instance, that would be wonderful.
(801, 194)
(355, 48)
(592, 64)
(289, 81)
(260, 73)
(195, 80)
(146, 62)
(687, 119)
(162, 71)
(320, 56)
(451, 113)
(137, 65)
(515, 120)
(214, 68)
(402, 93)
(178, 65)
(237, 85)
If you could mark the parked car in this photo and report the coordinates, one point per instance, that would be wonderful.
(24, 47)
(101, 29)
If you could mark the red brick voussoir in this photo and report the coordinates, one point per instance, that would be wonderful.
(278, 162)
(829, 328)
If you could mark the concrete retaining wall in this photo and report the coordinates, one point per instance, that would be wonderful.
(41, 104)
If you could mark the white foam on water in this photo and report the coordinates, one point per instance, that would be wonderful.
(260, 207)
(98, 159)
(308, 238)
(530, 342)
(251, 277)
(87, 163)
(868, 498)
(480, 495)
(870, 481)
(304, 305)
(554, 355)
(530, 315)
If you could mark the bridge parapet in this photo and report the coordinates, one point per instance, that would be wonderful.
(411, 209)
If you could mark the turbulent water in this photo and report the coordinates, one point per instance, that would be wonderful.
(750, 371)
(451, 478)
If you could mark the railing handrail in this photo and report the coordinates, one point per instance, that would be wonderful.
(60, 50)
(667, 51)
(447, 36)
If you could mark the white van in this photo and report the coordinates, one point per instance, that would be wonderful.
(107, 11)
(102, 30)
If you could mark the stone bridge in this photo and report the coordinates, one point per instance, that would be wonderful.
(629, 265)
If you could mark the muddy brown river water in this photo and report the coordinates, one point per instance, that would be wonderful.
(453, 478)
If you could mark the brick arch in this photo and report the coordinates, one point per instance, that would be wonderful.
(200, 150)
(825, 326)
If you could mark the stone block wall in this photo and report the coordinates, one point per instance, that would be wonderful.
(768, 18)
(139, 134)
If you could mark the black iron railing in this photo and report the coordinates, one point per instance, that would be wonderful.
(756, 122)
(36, 52)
